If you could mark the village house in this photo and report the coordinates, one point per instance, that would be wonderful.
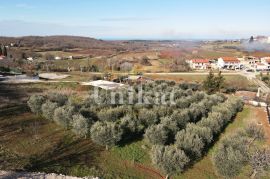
(230, 63)
(199, 64)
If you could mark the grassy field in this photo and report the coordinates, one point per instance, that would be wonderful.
(29, 142)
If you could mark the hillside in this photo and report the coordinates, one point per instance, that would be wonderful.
(58, 42)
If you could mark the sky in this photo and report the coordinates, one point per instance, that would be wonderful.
(136, 19)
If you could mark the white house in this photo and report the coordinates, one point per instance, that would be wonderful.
(231, 63)
(199, 64)
(262, 67)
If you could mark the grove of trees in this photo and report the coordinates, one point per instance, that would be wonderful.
(179, 132)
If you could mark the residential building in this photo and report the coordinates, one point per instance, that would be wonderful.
(230, 63)
(199, 64)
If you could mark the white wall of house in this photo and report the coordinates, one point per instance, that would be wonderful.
(220, 63)
(228, 65)
(199, 66)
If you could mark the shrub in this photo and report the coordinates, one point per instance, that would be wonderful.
(157, 134)
(48, 109)
(106, 133)
(35, 102)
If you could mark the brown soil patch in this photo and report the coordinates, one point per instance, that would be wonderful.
(260, 115)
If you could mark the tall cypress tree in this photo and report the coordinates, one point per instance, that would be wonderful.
(1, 53)
(4, 51)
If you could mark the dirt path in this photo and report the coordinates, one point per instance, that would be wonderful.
(259, 115)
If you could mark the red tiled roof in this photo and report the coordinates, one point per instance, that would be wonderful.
(230, 59)
(260, 64)
(200, 61)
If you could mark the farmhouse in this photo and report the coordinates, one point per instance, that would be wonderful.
(199, 64)
(230, 63)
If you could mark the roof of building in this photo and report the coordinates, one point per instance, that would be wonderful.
(230, 59)
(260, 64)
(200, 60)
(107, 85)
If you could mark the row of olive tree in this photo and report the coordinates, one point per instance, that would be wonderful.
(58, 108)
(193, 141)
(164, 132)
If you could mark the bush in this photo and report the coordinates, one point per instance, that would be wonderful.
(106, 133)
(157, 134)
(48, 109)
(35, 102)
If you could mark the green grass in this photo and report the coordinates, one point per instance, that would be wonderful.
(136, 151)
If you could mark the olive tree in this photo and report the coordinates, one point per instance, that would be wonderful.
(58, 98)
(48, 109)
(130, 124)
(157, 134)
(148, 117)
(63, 116)
(169, 159)
(254, 131)
(191, 143)
(80, 125)
(35, 102)
(112, 114)
(106, 133)
(260, 161)
(231, 156)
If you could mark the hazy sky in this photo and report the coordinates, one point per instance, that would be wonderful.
(136, 19)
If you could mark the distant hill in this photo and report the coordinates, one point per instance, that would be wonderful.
(58, 42)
